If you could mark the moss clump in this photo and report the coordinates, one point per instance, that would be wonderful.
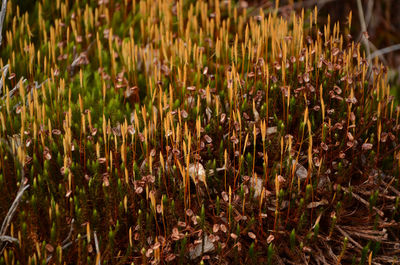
(162, 131)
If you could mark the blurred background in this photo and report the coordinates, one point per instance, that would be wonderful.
(379, 18)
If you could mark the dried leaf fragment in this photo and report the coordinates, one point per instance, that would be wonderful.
(197, 172)
(367, 146)
(197, 251)
(316, 204)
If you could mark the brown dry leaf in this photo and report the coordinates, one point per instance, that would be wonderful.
(367, 146)
(153, 152)
(337, 89)
(56, 132)
(149, 252)
(256, 183)
(106, 182)
(251, 235)
(156, 245)
(301, 171)
(272, 130)
(307, 249)
(225, 196)
(138, 190)
(184, 114)
(324, 146)
(47, 155)
(189, 212)
(223, 228)
(208, 139)
(170, 257)
(316, 204)
(90, 248)
(215, 228)
(199, 250)
(175, 234)
(223, 117)
(281, 179)
(197, 172)
(49, 248)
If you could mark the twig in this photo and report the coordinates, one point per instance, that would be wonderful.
(368, 16)
(14, 90)
(308, 3)
(2, 16)
(65, 246)
(321, 256)
(381, 214)
(349, 237)
(388, 259)
(12, 209)
(374, 48)
(296, 5)
(65, 242)
(70, 232)
(384, 51)
(366, 233)
(14, 205)
(9, 239)
(330, 252)
(363, 28)
(96, 243)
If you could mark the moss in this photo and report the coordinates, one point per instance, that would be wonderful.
(282, 122)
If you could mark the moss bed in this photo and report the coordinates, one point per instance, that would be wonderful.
(163, 132)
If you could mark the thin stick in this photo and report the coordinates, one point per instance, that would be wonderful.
(373, 47)
(297, 5)
(96, 243)
(384, 51)
(368, 16)
(359, 198)
(65, 246)
(363, 28)
(9, 239)
(2, 16)
(12, 92)
(349, 237)
(70, 232)
(14, 205)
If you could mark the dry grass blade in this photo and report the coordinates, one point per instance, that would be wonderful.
(358, 197)
(362, 232)
(349, 237)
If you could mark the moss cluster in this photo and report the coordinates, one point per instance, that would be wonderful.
(190, 131)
